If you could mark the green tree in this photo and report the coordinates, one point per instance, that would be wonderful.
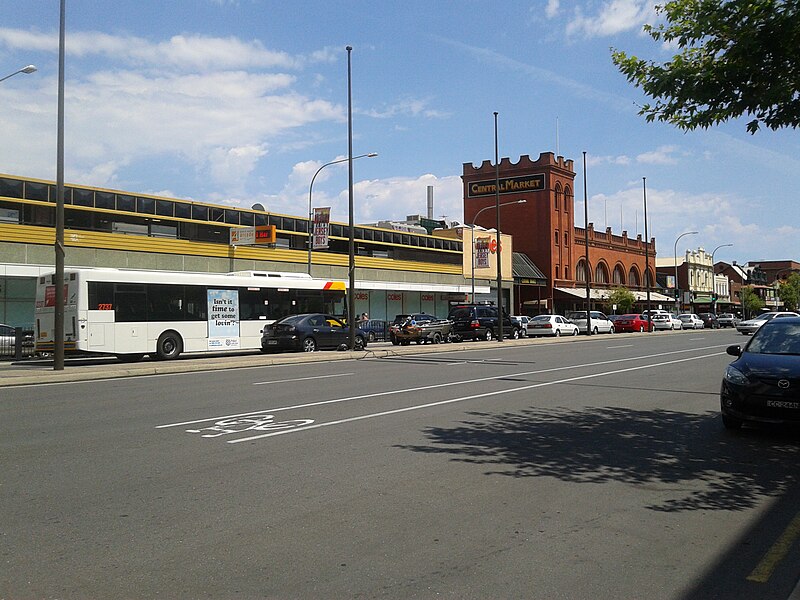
(622, 297)
(737, 57)
(751, 303)
(789, 292)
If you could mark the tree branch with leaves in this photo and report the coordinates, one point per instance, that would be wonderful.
(737, 58)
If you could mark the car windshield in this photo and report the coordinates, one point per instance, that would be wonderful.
(779, 337)
(581, 314)
(541, 318)
(461, 313)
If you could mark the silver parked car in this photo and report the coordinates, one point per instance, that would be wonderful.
(728, 320)
(600, 322)
(554, 325)
(666, 321)
(691, 321)
(751, 325)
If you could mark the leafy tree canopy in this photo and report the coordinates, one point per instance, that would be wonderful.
(751, 303)
(789, 292)
(622, 297)
(737, 57)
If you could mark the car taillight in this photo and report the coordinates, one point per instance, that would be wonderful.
(548, 325)
(474, 324)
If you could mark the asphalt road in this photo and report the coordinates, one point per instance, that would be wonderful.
(588, 468)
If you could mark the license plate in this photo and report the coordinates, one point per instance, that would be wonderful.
(272, 342)
(782, 404)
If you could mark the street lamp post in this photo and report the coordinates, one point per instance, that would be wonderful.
(714, 278)
(472, 237)
(677, 289)
(310, 210)
(29, 69)
(647, 257)
(497, 216)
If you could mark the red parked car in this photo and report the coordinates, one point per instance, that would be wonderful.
(632, 323)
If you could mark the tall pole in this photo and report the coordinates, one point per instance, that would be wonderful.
(497, 216)
(646, 256)
(58, 321)
(677, 288)
(310, 210)
(586, 251)
(351, 293)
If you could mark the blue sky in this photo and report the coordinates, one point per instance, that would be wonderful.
(237, 102)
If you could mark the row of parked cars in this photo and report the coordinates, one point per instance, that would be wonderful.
(310, 332)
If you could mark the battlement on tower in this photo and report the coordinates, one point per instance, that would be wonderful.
(546, 159)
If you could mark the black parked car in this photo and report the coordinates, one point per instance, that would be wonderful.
(309, 332)
(709, 320)
(763, 383)
(480, 322)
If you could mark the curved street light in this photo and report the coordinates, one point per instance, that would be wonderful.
(677, 289)
(29, 69)
(310, 210)
(714, 278)
(472, 237)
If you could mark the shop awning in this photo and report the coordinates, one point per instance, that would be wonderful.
(603, 294)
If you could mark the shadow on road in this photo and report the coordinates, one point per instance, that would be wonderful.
(632, 446)
(705, 466)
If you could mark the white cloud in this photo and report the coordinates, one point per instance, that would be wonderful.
(659, 156)
(614, 16)
(551, 10)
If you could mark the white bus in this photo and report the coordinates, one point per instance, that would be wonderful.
(131, 313)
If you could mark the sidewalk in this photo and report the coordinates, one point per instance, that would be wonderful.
(40, 371)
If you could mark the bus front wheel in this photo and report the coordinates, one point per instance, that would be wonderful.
(169, 346)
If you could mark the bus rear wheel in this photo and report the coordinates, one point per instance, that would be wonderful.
(169, 345)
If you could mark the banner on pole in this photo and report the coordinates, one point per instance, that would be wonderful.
(322, 222)
(482, 253)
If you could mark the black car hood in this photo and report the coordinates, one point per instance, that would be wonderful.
(769, 366)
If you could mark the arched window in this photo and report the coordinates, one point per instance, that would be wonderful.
(633, 277)
(559, 192)
(567, 198)
(580, 271)
(601, 273)
(619, 275)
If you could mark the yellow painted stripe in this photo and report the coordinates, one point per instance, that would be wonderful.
(777, 553)
(135, 243)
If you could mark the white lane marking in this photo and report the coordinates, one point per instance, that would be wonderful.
(623, 346)
(465, 398)
(433, 386)
(303, 378)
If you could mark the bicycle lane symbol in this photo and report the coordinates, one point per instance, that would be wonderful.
(253, 422)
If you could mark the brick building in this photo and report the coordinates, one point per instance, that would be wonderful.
(543, 229)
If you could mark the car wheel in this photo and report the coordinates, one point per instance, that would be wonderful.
(641, 328)
(359, 343)
(515, 334)
(309, 344)
(371, 336)
(611, 330)
(558, 333)
(731, 422)
(169, 345)
(489, 335)
(595, 331)
(575, 332)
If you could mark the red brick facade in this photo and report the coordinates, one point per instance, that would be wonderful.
(544, 229)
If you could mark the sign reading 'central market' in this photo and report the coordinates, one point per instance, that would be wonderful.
(508, 185)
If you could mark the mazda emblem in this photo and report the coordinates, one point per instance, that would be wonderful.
(783, 384)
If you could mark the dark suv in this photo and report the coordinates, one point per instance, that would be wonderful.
(480, 322)
(709, 320)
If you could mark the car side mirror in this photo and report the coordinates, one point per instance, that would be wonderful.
(735, 350)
